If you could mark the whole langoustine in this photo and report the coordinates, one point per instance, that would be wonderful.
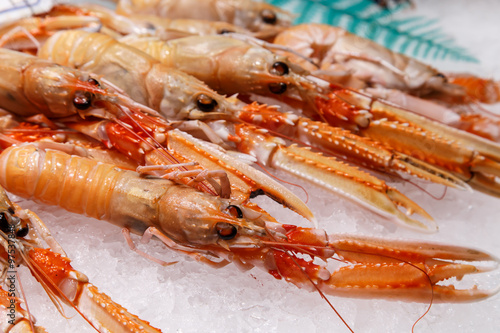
(335, 49)
(182, 217)
(352, 61)
(212, 230)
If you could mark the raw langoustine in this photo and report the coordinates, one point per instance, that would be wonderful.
(214, 231)
(215, 320)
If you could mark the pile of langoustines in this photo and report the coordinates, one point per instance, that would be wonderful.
(359, 150)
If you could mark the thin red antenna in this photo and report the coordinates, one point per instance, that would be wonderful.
(310, 280)
(163, 151)
(438, 198)
(284, 181)
(283, 246)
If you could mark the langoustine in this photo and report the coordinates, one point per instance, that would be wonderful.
(212, 230)
(259, 308)
(112, 68)
(164, 89)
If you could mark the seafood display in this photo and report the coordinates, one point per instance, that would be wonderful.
(162, 147)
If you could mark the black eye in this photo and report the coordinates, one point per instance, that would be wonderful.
(94, 82)
(226, 231)
(235, 211)
(149, 26)
(442, 76)
(268, 16)
(279, 68)
(82, 100)
(206, 103)
(277, 88)
(4, 224)
(22, 232)
(225, 31)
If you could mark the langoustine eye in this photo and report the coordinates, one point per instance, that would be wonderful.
(234, 211)
(22, 232)
(441, 76)
(225, 31)
(94, 82)
(82, 100)
(226, 231)
(277, 88)
(7, 227)
(206, 103)
(280, 68)
(268, 16)
(4, 223)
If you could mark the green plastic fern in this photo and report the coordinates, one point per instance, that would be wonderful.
(414, 36)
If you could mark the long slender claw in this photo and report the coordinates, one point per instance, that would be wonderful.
(352, 183)
(336, 176)
(407, 281)
(72, 287)
(373, 155)
(421, 144)
(339, 142)
(406, 269)
(462, 153)
(473, 121)
(421, 169)
(480, 145)
(470, 157)
(245, 178)
(416, 271)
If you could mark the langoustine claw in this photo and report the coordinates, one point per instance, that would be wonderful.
(374, 267)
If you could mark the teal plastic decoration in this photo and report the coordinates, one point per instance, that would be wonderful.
(414, 36)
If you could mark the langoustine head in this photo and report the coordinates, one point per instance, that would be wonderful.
(231, 66)
(40, 86)
(248, 14)
(180, 96)
(260, 16)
